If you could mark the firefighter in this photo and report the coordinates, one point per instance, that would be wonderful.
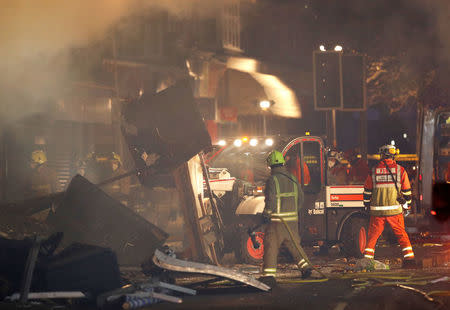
(387, 192)
(336, 170)
(119, 189)
(359, 169)
(283, 197)
(43, 178)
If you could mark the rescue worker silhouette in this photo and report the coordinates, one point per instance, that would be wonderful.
(101, 167)
(283, 198)
(336, 170)
(359, 169)
(387, 192)
(43, 178)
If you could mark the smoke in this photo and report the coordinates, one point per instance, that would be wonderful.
(36, 39)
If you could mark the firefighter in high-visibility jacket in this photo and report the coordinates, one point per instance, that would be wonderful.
(283, 197)
(387, 192)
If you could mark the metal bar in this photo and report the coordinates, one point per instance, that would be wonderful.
(29, 269)
(49, 295)
(170, 263)
(210, 193)
(177, 288)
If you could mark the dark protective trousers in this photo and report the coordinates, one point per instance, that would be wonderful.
(277, 235)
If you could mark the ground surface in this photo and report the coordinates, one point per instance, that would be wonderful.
(346, 288)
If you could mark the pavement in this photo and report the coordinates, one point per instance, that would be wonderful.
(346, 287)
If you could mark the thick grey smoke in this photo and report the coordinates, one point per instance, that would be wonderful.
(36, 38)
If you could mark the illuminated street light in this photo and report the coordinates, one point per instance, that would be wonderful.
(237, 142)
(405, 135)
(322, 48)
(222, 142)
(269, 142)
(338, 48)
(392, 142)
(264, 104)
(253, 142)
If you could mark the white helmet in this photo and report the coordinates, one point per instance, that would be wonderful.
(388, 151)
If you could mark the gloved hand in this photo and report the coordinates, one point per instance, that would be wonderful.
(401, 200)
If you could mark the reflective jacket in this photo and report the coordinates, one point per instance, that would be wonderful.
(380, 191)
(283, 196)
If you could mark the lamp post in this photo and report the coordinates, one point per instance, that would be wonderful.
(265, 105)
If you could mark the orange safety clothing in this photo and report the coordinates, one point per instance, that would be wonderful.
(295, 170)
(380, 190)
(381, 195)
(376, 227)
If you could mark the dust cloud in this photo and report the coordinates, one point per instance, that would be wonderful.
(36, 38)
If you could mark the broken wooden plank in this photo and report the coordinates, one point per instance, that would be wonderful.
(166, 262)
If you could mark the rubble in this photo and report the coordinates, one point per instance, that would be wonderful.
(171, 263)
(369, 265)
(88, 215)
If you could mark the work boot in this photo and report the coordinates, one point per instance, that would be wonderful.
(268, 280)
(306, 272)
(409, 264)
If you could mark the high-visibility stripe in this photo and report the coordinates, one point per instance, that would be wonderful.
(277, 189)
(407, 193)
(409, 255)
(368, 256)
(301, 262)
(286, 219)
(367, 192)
(380, 208)
(406, 249)
(303, 265)
(285, 214)
(270, 270)
(366, 200)
(369, 250)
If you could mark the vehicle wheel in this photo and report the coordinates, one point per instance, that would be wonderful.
(354, 237)
(248, 253)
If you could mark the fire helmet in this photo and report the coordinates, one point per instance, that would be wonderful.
(388, 151)
(38, 157)
(275, 158)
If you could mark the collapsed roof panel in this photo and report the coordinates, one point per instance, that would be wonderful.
(165, 129)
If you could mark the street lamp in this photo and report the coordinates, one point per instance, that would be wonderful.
(322, 48)
(338, 48)
(265, 105)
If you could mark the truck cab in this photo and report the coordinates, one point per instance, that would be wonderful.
(331, 214)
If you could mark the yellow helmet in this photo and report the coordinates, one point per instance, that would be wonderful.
(116, 157)
(38, 157)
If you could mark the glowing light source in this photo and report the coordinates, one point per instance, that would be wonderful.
(253, 142)
(405, 135)
(392, 142)
(264, 104)
(307, 133)
(338, 48)
(237, 142)
(322, 48)
(222, 142)
(245, 139)
(433, 212)
(269, 142)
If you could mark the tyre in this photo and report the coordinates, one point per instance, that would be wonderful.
(354, 237)
(248, 253)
